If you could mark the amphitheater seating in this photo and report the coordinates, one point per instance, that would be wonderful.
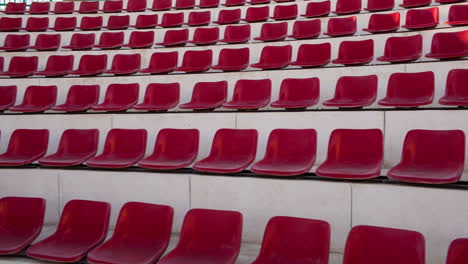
(112, 6)
(196, 61)
(458, 15)
(57, 65)
(135, 6)
(313, 55)
(79, 98)
(10, 23)
(450, 45)
(402, 49)
(205, 36)
(306, 29)
(379, 5)
(125, 64)
(257, 14)
(25, 147)
(64, 24)
(39, 8)
(162, 62)
(233, 59)
(207, 96)
(140, 40)
(37, 99)
(8, 97)
(16, 42)
(36, 24)
(415, 3)
(344, 7)
(119, 97)
(457, 252)
(146, 21)
(422, 18)
(409, 89)
(160, 97)
(456, 92)
(354, 91)
(341, 26)
(118, 22)
(250, 94)
(199, 18)
(273, 32)
(382, 23)
(91, 65)
(228, 16)
(63, 7)
(355, 52)
(236, 34)
(88, 7)
(176, 37)
(298, 93)
(274, 57)
(47, 42)
(285, 12)
(172, 19)
(81, 41)
(21, 66)
(110, 40)
(317, 9)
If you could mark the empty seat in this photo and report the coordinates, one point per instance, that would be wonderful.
(250, 94)
(119, 97)
(199, 18)
(176, 37)
(13, 8)
(205, 36)
(456, 91)
(146, 21)
(228, 16)
(88, 7)
(457, 252)
(79, 98)
(208, 3)
(207, 96)
(140, 225)
(25, 147)
(57, 65)
(431, 157)
(209, 237)
(91, 65)
(184, 4)
(257, 14)
(409, 89)
(162, 62)
(381, 23)
(422, 18)
(69, 243)
(298, 93)
(458, 15)
(258, 2)
(140, 40)
(341, 26)
(415, 3)
(402, 49)
(36, 24)
(125, 64)
(63, 7)
(114, 6)
(91, 23)
(379, 5)
(372, 244)
(160, 97)
(47, 42)
(289, 152)
(81, 41)
(10, 23)
(274, 57)
(354, 91)
(355, 52)
(161, 5)
(236, 34)
(284, 12)
(37, 99)
(123, 148)
(39, 8)
(313, 55)
(21, 66)
(8, 96)
(64, 24)
(344, 7)
(196, 61)
(110, 40)
(273, 31)
(317, 9)
(449, 45)
(306, 29)
(75, 147)
(233, 59)
(135, 6)
(173, 149)
(22, 219)
(118, 22)
(16, 42)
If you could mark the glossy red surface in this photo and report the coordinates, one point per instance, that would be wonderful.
(198, 18)
(47, 42)
(91, 65)
(458, 251)
(36, 24)
(273, 32)
(344, 7)
(140, 40)
(458, 15)
(63, 7)
(409, 89)
(355, 52)
(184, 4)
(380, 23)
(456, 90)
(25, 146)
(162, 62)
(160, 5)
(172, 19)
(313, 55)
(274, 57)
(57, 65)
(119, 97)
(114, 6)
(298, 93)
(402, 49)
(135, 6)
(79, 98)
(21, 66)
(146, 21)
(110, 40)
(306, 29)
(125, 64)
(39, 8)
(88, 7)
(236, 34)
(10, 23)
(415, 3)
(175, 37)
(205, 36)
(7, 96)
(250, 94)
(284, 12)
(37, 99)
(422, 18)
(91, 23)
(354, 91)
(81, 41)
(207, 95)
(228, 16)
(317, 9)
(233, 59)
(64, 24)
(449, 45)
(257, 14)
(196, 61)
(341, 26)
(16, 42)
(118, 22)
(15, 8)
(160, 97)
(379, 5)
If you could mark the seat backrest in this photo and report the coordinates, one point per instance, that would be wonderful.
(199, 17)
(37, 23)
(161, 5)
(126, 142)
(346, 25)
(403, 46)
(119, 93)
(64, 7)
(184, 4)
(347, 6)
(450, 43)
(176, 35)
(16, 41)
(22, 215)
(118, 22)
(164, 60)
(144, 21)
(384, 21)
(252, 91)
(206, 34)
(234, 57)
(416, 17)
(93, 62)
(111, 38)
(228, 15)
(314, 52)
(285, 11)
(276, 54)
(79, 141)
(15, 8)
(274, 29)
(172, 18)
(208, 92)
(60, 62)
(234, 143)
(197, 58)
(361, 146)
(10, 23)
(306, 27)
(65, 22)
(458, 251)
(300, 89)
(47, 41)
(126, 61)
(39, 7)
(321, 8)
(256, 13)
(141, 37)
(237, 32)
(352, 50)
(40, 95)
(357, 87)
(89, 7)
(456, 82)
(28, 142)
(83, 94)
(82, 39)
(112, 6)
(458, 13)
(411, 85)
(177, 143)
(8, 97)
(162, 93)
(136, 5)
(23, 64)
(91, 22)
(378, 5)
(288, 145)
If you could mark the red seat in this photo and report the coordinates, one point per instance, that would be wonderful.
(175, 37)
(37, 99)
(64, 23)
(39, 8)
(91, 65)
(146, 21)
(313, 55)
(228, 16)
(162, 62)
(161, 5)
(123, 148)
(81, 41)
(233, 59)
(205, 36)
(382, 23)
(250, 94)
(257, 14)
(57, 65)
(431, 157)
(196, 61)
(160, 97)
(379, 5)
(402, 49)
(8, 96)
(449, 45)
(458, 15)
(15, 8)
(140, 40)
(274, 57)
(76, 146)
(354, 91)
(79, 98)
(125, 64)
(457, 252)
(372, 244)
(207, 96)
(199, 18)
(21, 66)
(234, 2)
(285, 12)
(306, 29)
(341, 26)
(259, 2)
(289, 152)
(10, 23)
(63, 7)
(317, 9)
(415, 3)
(119, 97)
(135, 6)
(409, 89)
(184, 4)
(173, 149)
(355, 52)
(36, 24)
(110, 40)
(118, 22)
(208, 3)
(140, 225)
(16, 42)
(298, 93)
(236, 34)
(88, 7)
(456, 91)
(273, 31)
(295, 240)
(208, 237)
(47, 42)
(448, 1)
(91, 23)
(422, 18)
(354, 154)
(70, 243)
(1, 63)
(344, 7)
(25, 147)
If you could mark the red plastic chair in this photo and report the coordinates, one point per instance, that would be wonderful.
(91, 65)
(47, 42)
(123, 148)
(431, 157)
(140, 225)
(207, 96)
(37, 8)
(63, 7)
(15, 8)
(354, 91)
(228, 16)
(298, 93)
(25, 147)
(205, 36)
(457, 252)
(379, 5)
(257, 14)
(208, 237)
(409, 89)
(64, 23)
(456, 92)
(344, 7)
(458, 15)
(119, 97)
(236, 34)
(341, 26)
(196, 61)
(125, 64)
(184, 4)
(402, 49)
(114, 6)
(37, 99)
(285, 12)
(382, 23)
(140, 40)
(16, 42)
(415, 3)
(146, 21)
(422, 18)
(449, 45)
(317, 9)
(135, 6)
(234, 2)
(273, 31)
(162, 62)
(79, 98)
(274, 57)
(173, 149)
(88, 7)
(233, 59)
(37, 24)
(110, 40)
(21, 66)
(199, 18)
(82, 227)
(289, 152)
(10, 24)
(57, 65)
(76, 146)
(208, 3)
(372, 244)
(355, 52)
(160, 97)
(354, 154)
(80, 41)
(258, 2)
(8, 96)
(176, 37)
(21, 220)
(118, 22)
(306, 29)
(295, 240)
(313, 55)
(250, 94)
(91, 23)
(161, 5)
